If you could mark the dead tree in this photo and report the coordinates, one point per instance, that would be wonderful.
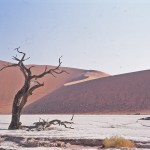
(27, 89)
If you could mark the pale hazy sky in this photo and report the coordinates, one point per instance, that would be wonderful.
(107, 35)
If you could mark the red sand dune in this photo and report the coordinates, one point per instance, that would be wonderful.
(12, 80)
(126, 94)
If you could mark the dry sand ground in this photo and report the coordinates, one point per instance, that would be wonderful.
(15, 143)
(39, 143)
(88, 131)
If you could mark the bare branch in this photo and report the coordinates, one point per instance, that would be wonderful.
(8, 66)
(17, 49)
(20, 64)
(30, 68)
(35, 87)
(35, 81)
(23, 68)
(23, 57)
(50, 71)
(60, 72)
(26, 59)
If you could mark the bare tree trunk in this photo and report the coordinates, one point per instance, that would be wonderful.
(16, 113)
(18, 103)
(15, 120)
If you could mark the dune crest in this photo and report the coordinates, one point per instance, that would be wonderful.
(87, 76)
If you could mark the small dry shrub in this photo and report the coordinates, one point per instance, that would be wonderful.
(117, 142)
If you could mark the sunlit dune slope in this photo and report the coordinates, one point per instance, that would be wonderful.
(87, 76)
(120, 94)
(11, 80)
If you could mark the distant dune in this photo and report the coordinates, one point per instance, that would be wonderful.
(120, 94)
(80, 91)
(12, 80)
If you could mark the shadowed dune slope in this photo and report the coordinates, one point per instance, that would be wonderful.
(11, 80)
(126, 94)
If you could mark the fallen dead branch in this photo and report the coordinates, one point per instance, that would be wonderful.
(44, 125)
